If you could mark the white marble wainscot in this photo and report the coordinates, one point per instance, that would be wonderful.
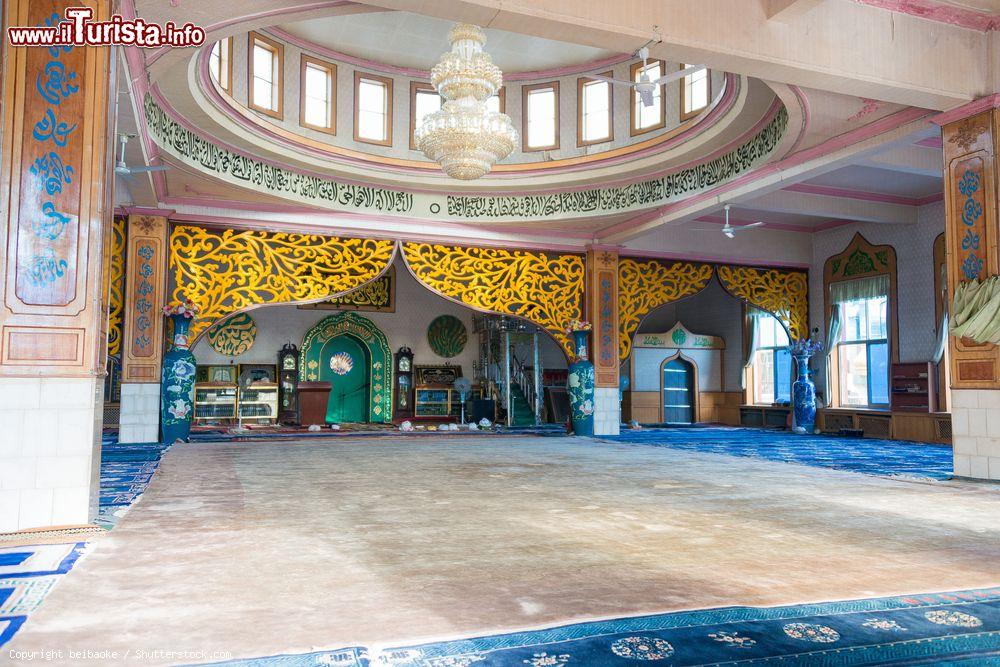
(975, 423)
(140, 413)
(607, 411)
(50, 452)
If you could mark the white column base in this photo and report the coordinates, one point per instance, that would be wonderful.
(975, 427)
(50, 452)
(607, 411)
(140, 413)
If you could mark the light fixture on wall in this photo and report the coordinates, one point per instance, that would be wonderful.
(463, 136)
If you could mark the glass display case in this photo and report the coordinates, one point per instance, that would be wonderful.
(441, 402)
(214, 402)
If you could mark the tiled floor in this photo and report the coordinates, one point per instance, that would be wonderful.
(258, 549)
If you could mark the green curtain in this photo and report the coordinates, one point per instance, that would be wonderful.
(861, 288)
(975, 311)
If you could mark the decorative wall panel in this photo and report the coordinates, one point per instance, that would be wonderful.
(377, 296)
(646, 285)
(602, 311)
(53, 205)
(116, 286)
(224, 272)
(233, 336)
(783, 293)
(545, 289)
(145, 294)
(970, 148)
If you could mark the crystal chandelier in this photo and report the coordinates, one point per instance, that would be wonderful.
(463, 136)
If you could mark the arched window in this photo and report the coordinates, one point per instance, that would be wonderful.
(772, 363)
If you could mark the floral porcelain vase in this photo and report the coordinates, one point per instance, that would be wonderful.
(177, 385)
(803, 389)
(580, 386)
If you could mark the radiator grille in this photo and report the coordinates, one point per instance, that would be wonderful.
(751, 417)
(942, 429)
(112, 414)
(834, 423)
(875, 427)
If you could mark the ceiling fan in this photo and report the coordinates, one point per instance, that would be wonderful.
(645, 86)
(126, 171)
(728, 230)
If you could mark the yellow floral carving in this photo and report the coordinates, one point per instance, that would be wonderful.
(543, 288)
(225, 272)
(783, 293)
(116, 278)
(646, 285)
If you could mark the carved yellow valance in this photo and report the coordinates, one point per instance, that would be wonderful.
(224, 272)
(115, 268)
(783, 293)
(646, 285)
(543, 288)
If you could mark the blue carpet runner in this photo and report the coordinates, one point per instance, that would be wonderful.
(864, 455)
(938, 628)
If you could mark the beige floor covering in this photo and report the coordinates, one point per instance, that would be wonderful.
(264, 548)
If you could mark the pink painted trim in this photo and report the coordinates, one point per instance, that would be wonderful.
(833, 224)
(862, 195)
(307, 228)
(414, 73)
(930, 199)
(708, 259)
(940, 13)
(971, 109)
(884, 124)
(806, 117)
(246, 18)
(930, 142)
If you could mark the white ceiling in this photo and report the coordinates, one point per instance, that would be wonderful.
(885, 181)
(381, 36)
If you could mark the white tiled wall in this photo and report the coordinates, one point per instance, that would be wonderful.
(49, 452)
(607, 411)
(975, 424)
(140, 413)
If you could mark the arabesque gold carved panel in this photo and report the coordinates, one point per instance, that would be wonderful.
(546, 289)
(116, 281)
(223, 272)
(646, 285)
(783, 293)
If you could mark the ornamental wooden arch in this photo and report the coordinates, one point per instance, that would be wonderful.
(543, 288)
(782, 292)
(224, 272)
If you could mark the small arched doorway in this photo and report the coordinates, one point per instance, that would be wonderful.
(678, 390)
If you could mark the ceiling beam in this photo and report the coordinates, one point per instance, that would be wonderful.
(788, 10)
(907, 159)
(836, 208)
(849, 48)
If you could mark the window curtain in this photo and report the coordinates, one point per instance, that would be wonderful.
(751, 343)
(862, 288)
(942, 332)
(832, 339)
(976, 311)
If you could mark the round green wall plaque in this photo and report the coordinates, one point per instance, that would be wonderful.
(447, 336)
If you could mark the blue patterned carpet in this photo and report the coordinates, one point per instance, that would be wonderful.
(874, 457)
(940, 628)
(126, 471)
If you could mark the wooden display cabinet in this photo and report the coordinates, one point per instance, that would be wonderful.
(913, 387)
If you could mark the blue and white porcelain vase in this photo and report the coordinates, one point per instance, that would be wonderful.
(580, 386)
(803, 397)
(177, 385)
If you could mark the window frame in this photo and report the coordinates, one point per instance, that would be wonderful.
(277, 85)
(773, 349)
(683, 96)
(228, 87)
(359, 76)
(525, 91)
(331, 105)
(416, 87)
(633, 119)
(868, 343)
(581, 84)
(502, 97)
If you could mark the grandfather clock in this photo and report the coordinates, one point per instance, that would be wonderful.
(403, 395)
(288, 385)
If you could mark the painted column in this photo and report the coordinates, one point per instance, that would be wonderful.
(602, 313)
(971, 141)
(55, 162)
(142, 344)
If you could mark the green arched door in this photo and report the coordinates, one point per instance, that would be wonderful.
(346, 366)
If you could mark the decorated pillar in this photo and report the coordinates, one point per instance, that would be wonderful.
(55, 161)
(971, 141)
(142, 341)
(602, 312)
